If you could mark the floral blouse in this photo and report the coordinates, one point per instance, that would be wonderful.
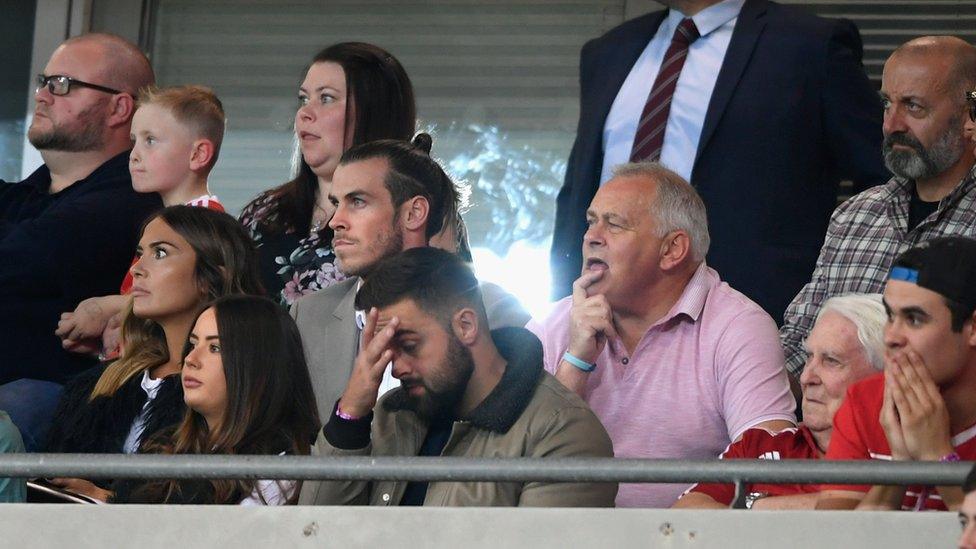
(291, 264)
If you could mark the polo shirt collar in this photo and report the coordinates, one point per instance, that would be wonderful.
(692, 300)
(41, 178)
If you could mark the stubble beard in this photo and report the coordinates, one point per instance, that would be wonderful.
(90, 137)
(387, 244)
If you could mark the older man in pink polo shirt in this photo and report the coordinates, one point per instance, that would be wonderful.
(675, 363)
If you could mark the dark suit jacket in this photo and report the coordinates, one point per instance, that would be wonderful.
(792, 115)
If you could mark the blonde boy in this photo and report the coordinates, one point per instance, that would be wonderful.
(176, 136)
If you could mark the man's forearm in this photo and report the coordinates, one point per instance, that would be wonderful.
(572, 377)
(838, 500)
(785, 503)
(698, 500)
(882, 498)
(347, 434)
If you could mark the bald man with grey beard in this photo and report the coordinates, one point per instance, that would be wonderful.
(933, 192)
(67, 231)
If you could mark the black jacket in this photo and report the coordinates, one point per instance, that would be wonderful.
(56, 250)
(102, 425)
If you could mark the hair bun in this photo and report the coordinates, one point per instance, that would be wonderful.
(423, 141)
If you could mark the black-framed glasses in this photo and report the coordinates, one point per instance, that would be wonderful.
(59, 84)
(971, 99)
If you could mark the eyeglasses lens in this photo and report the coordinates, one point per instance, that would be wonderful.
(57, 85)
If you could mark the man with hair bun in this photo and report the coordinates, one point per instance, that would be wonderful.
(68, 231)
(389, 196)
(466, 391)
(845, 345)
(674, 362)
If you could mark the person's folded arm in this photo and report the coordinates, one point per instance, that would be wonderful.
(839, 500)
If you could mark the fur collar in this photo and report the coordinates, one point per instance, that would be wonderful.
(102, 425)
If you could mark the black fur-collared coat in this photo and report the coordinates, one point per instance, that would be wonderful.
(101, 426)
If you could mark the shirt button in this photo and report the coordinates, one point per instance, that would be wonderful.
(625, 360)
(386, 497)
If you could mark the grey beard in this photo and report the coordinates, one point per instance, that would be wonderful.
(922, 163)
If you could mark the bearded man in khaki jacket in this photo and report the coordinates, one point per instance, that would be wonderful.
(464, 392)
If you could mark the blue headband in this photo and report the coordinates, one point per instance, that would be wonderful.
(904, 273)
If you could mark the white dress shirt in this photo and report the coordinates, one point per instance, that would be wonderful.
(691, 97)
(151, 387)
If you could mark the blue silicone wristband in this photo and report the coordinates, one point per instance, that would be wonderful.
(578, 362)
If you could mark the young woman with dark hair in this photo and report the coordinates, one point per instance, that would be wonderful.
(352, 93)
(187, 257)
(247, 391)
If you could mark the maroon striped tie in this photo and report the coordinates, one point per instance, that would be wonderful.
(650, 130)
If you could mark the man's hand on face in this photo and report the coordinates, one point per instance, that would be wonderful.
(919, 405)
(367, 372)
(891, 424)
(590, 319)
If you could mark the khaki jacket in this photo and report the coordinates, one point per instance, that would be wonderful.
(528, 414)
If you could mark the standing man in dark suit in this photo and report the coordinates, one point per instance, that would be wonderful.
(763, 107)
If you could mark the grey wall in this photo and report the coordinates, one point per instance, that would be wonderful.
(188, 527)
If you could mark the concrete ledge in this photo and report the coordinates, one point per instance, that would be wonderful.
(172, 527)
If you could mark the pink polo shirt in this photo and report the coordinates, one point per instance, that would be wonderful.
(707, 371)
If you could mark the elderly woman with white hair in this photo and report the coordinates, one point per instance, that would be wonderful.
(845, 346)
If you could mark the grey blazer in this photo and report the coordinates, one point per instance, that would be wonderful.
(327, 321)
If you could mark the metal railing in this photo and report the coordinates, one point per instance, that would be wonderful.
(495, 470)
(738, 472)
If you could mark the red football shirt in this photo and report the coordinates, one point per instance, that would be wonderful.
(858, 435)
(206, 201)
(795, 443)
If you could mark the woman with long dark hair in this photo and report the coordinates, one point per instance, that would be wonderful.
(247, 391)
(187, 257)
(351, 93)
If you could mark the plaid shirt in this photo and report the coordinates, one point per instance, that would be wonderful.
(865, 235)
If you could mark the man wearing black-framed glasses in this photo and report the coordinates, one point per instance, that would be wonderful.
(68, 230)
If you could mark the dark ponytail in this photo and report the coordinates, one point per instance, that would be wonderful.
(423, 142)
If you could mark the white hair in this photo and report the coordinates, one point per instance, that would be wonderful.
(867, 313)
(676, 207)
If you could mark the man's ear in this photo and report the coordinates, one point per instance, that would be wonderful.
(465, 325)
(414, 213)
(675, 247)
(121, 107)
(971, 326)
(201, 154)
